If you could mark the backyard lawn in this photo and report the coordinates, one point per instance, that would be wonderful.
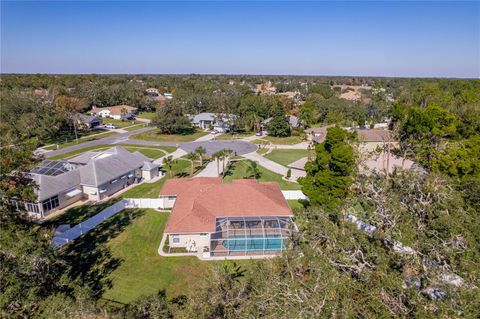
(286, 156)
(153, 135)
(142, 270)
(238, 170)
(149, 151)
(294, 204)
(290, 140)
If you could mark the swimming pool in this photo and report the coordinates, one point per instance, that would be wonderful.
(254, 243)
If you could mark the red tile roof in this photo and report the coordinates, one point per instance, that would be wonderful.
(201, 200)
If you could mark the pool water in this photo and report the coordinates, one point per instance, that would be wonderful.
(254, 243)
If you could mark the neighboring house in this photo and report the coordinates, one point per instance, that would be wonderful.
(370, 139)
(89, 121)
(91, 175)
(292, 120)
(218, 122)
(152, 91)
(386, 162)
(318, 134)
(241, 219)
(117, 112)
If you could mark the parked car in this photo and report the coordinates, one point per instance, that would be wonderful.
(258, 134)
(213, 132)
(109, 125)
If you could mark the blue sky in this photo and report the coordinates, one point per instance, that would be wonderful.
(439, 39)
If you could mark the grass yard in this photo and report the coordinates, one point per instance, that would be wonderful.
(238, 170)
(286, 156)
(146, 115)
(82, 140)
(290, 140)
(149, 151)
(144, 272)
(262, 151)
(135, 127)
(236, 136)
(120, 123)
(153, 135)
(294, 204)
(181, 168)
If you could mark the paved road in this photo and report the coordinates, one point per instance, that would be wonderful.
(118, 138)
(211, 146)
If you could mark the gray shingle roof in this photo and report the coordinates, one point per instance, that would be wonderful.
(49, 186)
(148, 166)
(83, 158)
(109, 165)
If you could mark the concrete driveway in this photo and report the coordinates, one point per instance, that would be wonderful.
(238, 147)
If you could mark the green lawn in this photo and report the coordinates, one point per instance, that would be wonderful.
(120, 123)
(235, 136)
(135, 127)
(262, 151)
(153, 135)
(238, 170)
(294, 204)
(82, 140)
(146, 115)
(142, 270)
(290, 140)
(149, 151)
(287, 156)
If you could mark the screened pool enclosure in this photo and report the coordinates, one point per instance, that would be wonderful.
(247, 236)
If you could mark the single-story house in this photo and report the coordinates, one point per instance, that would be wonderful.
(372, 138)
(386, 162)
(292, 120)
(117, 112)
(218, 122)
(89, 121)
(318, 134)
(91, 175)
(216, 219)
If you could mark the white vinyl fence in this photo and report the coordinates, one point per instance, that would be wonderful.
(144, 203)
(292, 195)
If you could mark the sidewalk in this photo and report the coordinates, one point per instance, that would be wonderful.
(177, 154)
(268, 164)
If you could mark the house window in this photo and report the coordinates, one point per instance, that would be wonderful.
(103, 191)
(50, 203)
(33, 208)
(175, 239)
(114, 181)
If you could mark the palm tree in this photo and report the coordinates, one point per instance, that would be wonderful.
(192, 157)
(169, 161)
(217, 156)
(201, 151)
(123, 112)
(253, 170)
(226, 155)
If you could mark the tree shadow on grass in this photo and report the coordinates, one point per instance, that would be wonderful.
(89, 257)
(78, 214)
